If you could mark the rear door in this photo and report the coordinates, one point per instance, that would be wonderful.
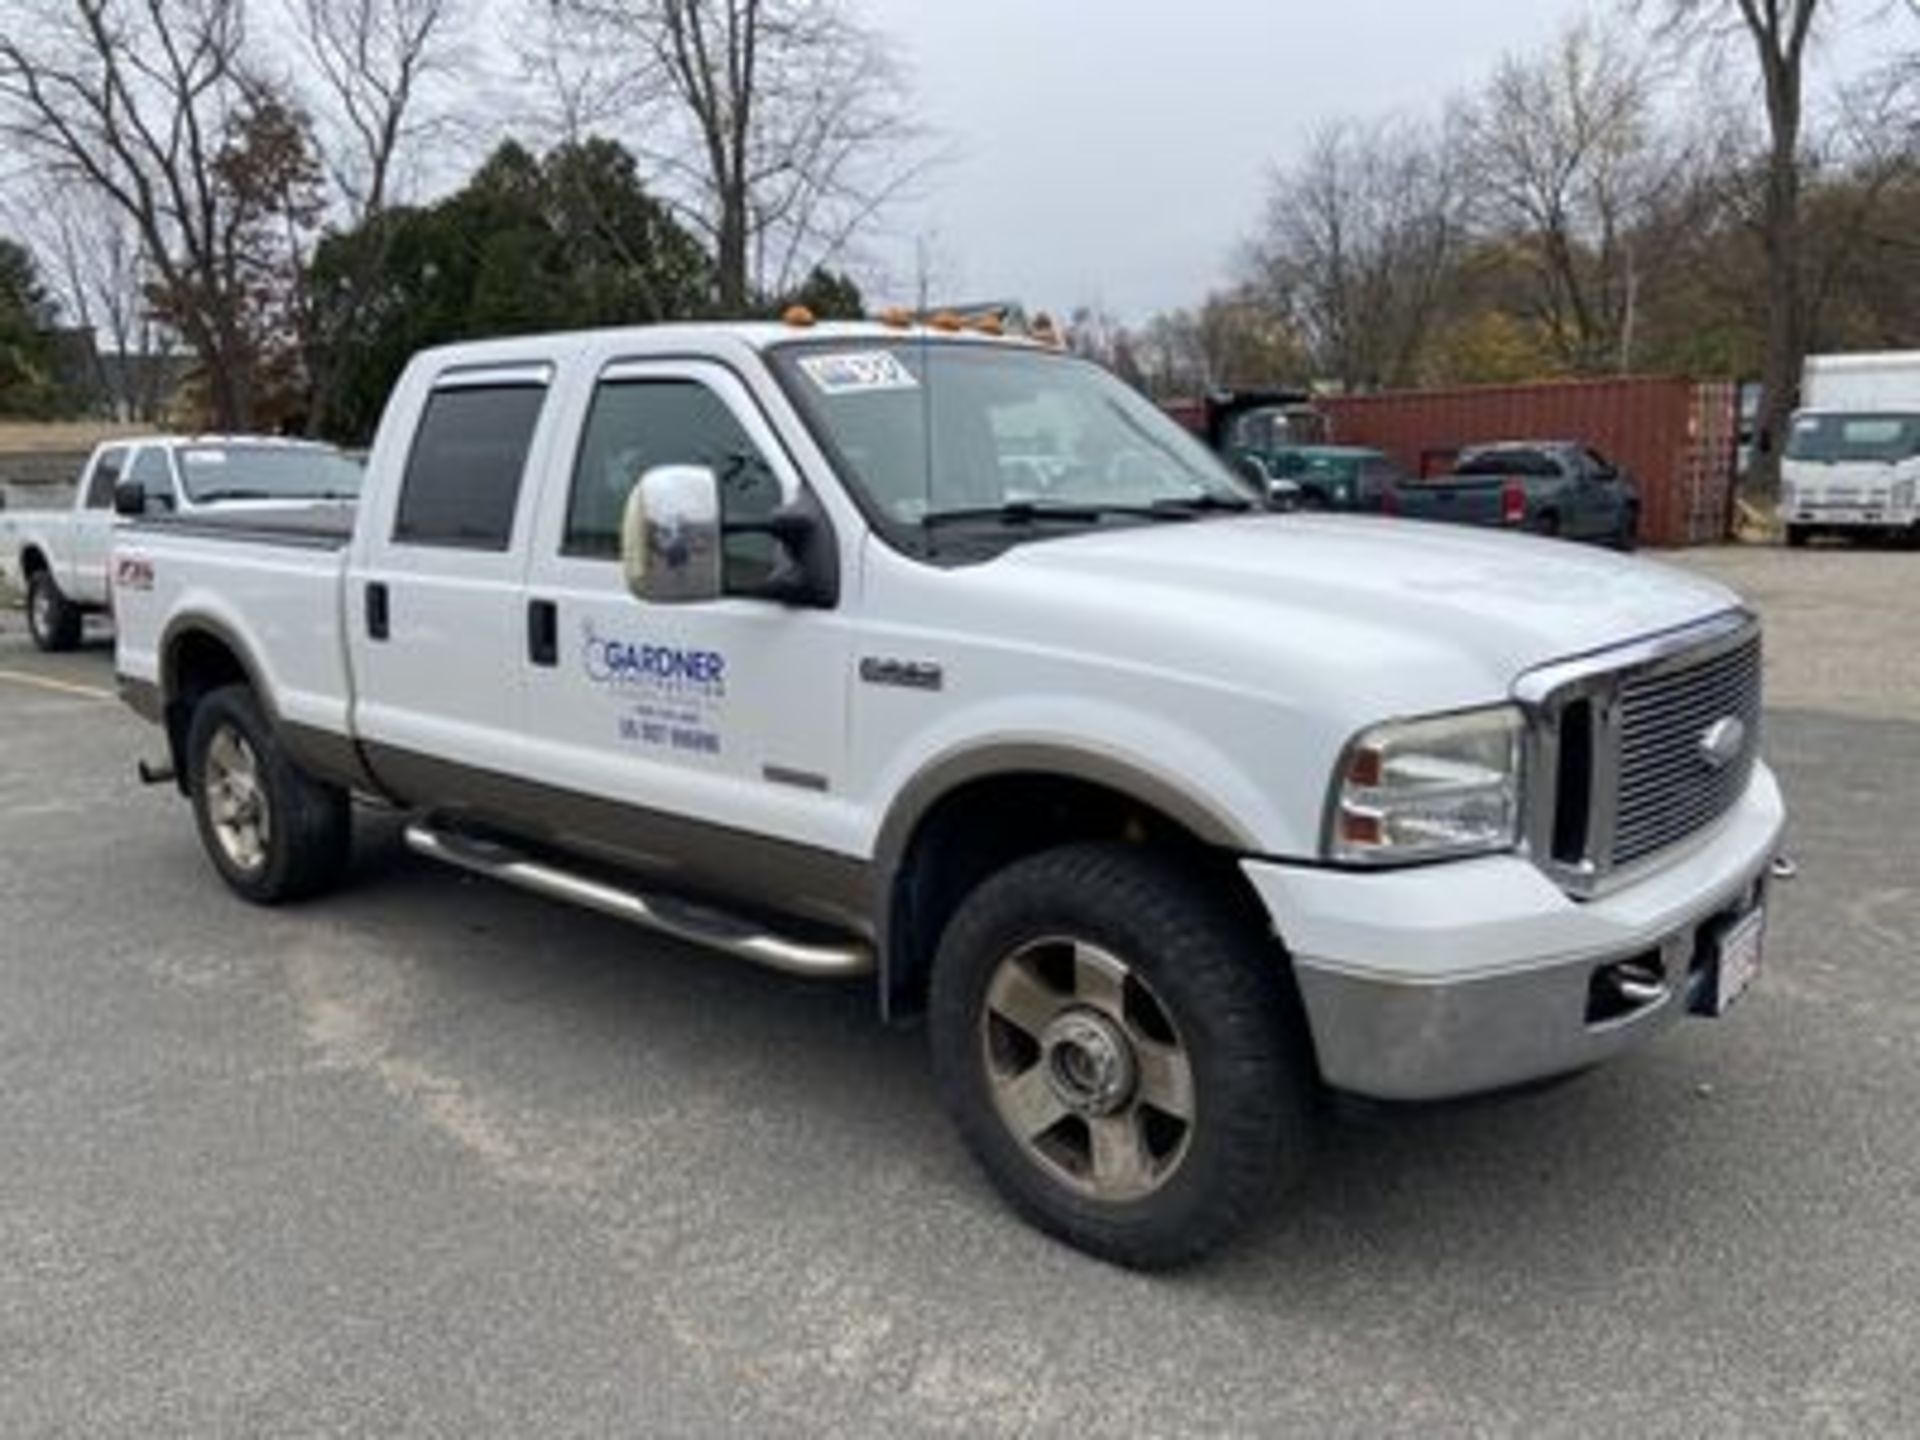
(91, 535)
(434, 604)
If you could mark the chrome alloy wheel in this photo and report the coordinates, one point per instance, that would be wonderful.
(42, 612)
(237, 800)
(1086, 1069)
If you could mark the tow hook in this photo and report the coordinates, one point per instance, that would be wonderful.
(161, 774)
(1783, 867)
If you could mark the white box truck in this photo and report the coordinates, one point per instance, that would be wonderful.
(1852, 462)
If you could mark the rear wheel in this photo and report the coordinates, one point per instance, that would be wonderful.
(1123, 1056)
(1627, 537)
(272, 831)
(1797, 536)
(52, 620)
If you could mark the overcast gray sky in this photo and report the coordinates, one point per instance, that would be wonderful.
(1113, 152)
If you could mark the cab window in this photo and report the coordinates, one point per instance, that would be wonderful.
(154, 475)
(636, 425)
(106, 475)
(462, 483)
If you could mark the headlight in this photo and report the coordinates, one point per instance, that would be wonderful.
(1421, 789)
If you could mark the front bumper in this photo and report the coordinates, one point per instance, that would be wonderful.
(1453, 979)
(1853, 517)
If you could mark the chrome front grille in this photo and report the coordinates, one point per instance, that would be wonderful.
(1639, 749)
(1669, 783)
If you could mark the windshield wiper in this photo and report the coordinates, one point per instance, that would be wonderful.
(1027, 512)
(1198, 504)
(208, 496)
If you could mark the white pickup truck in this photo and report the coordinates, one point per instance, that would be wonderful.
(58, 558)
(1167, 816)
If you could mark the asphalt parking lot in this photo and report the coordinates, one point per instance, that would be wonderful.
(434, 1157)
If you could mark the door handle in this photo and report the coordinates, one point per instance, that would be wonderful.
(376, 610)
(543, 632)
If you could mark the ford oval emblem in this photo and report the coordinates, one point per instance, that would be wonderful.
(1722, 741)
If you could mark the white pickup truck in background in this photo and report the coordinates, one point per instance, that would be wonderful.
(1852, 460)
(1167, 814)
(58, 559)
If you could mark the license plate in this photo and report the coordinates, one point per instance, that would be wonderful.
(1738, 961)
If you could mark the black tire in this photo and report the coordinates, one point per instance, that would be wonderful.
(52, 620)
(1222, 991)
(1797, 536)
(308, 835)
(1627, 538)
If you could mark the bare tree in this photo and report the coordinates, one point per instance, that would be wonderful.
(97, 271)
(1568, 171)
(150, 103)
(1777, 33)
(782, 123)
(1359, 240)
(369, 66)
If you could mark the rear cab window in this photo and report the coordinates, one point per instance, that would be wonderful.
(461, 486)
(1508, 462)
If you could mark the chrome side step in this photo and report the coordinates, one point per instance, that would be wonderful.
(681, 919)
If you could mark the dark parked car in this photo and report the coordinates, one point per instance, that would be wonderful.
(1547, 487)
(1335, 477)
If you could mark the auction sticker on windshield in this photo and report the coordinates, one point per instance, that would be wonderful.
(864, 370)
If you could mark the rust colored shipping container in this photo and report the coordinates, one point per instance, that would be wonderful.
(1675, 436)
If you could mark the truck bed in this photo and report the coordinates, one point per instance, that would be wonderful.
(269, 580)
(319, 527)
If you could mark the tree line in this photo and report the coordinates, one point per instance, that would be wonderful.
(241, 180)
(1638, 197)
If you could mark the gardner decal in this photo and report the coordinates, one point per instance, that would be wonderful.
(675, 696)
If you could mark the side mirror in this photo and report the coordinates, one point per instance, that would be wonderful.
(129, 498)
(670, 550)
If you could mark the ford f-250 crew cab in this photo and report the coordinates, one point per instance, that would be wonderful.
(1165, 813)
(58, 558)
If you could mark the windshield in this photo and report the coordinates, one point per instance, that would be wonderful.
(928, 430)
(268, 472)
(1884, 437)
(1334, 469)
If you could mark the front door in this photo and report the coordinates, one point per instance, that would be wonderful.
(697, 729)
(86, 579)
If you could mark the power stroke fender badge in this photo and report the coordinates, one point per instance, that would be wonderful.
(908, 674)
(1721, 742)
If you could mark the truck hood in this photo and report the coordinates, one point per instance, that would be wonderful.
(1382, 592)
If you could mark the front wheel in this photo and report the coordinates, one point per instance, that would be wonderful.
(1797, 536)
(272, 831)
(1122, 1052)
(52, 620)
